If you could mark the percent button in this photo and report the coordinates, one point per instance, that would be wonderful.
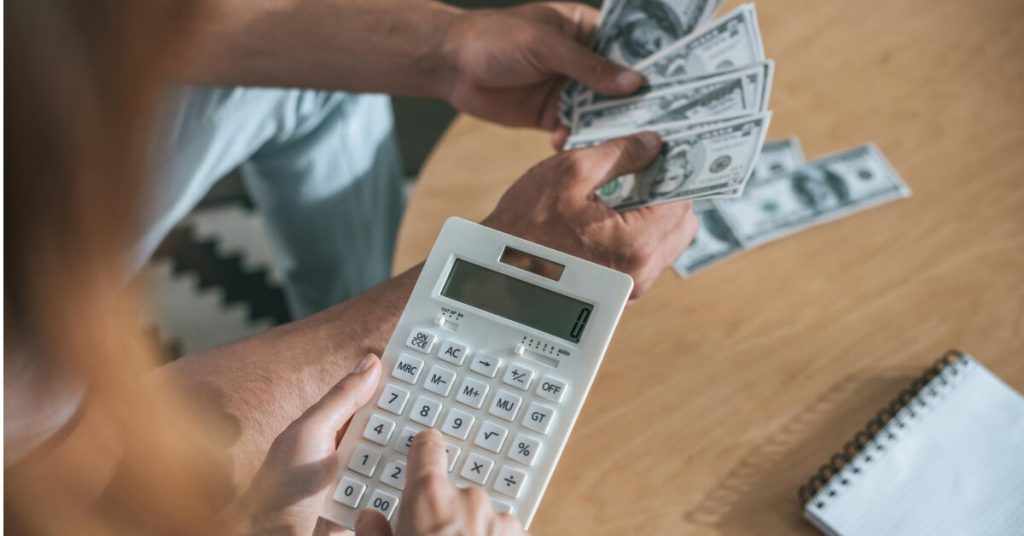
(524, 449)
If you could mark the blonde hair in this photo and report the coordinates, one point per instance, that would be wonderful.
(83, 81)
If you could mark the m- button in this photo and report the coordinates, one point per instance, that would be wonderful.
(551, 388)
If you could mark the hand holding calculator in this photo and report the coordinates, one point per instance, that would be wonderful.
(497, 348)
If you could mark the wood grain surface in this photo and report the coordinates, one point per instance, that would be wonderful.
(722, 393)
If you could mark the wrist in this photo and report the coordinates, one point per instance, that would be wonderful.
(439, 62)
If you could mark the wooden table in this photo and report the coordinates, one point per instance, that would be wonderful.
(721, 394)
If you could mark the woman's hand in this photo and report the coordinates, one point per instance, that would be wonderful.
(289, 490)
(431, 505)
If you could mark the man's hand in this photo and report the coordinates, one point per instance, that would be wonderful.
(509, 65)
(431, 505)
(554, 204)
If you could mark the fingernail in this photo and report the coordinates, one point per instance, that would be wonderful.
(649, 139)
(627, 79)
(367, 361)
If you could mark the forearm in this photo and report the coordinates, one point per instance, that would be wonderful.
(254, 388)
(357, 45)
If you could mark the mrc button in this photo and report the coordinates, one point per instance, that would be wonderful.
(552, 389)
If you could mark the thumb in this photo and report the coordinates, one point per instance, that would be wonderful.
(372, 523)
(601, 163)
(561, 54)
(345, 398)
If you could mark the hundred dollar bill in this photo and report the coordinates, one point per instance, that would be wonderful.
(731, 41)
(822, 191)
(738, 92)
(692, 165)
(587, 139)
(715, 240)
(630, 30)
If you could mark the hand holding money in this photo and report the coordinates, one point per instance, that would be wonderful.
(706, 92)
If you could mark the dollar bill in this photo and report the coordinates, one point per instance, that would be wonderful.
(693, 164)
(588, 139)
(630, 30)
(741, 91)
(715, 240)
(819, 192)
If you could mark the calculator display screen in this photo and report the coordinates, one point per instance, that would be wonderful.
(517, 300)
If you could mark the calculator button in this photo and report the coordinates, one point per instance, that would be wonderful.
(505, 405)
(524, 449)
(425, 411)
(378, 429)
(421, 341)
(394, 474)
(349, 492)
(383, 502)
(407, 368)
(393, 399)
(472, 392)
(439, 380)
(457, 423)
(518, 377)
(552, 389)
(405, 440)
(477, 468)
(510, 481)
(491, 436)
(453, 455)
(538, 417)
(453, 352)
(485, 364)
(364, 460)
(501, 507)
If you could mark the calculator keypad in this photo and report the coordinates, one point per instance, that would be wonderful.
(425, 411)
(481, 426)
(378, 429)
(393, 399)
(439, 380)
(407, 368)
(505, 405)
(472, 392)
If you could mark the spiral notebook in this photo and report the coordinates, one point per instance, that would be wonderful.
(945, 457)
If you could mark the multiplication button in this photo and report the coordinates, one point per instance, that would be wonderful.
(407, 368)
(477, 468)
(421, 340)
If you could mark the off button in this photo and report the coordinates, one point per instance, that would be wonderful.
(552, 389)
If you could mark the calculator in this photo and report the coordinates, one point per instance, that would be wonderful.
(497, 348)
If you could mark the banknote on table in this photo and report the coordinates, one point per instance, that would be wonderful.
(821, 191)
(693, 164)
(738, 92)
(630, 30)
(715, 240)
(730, 42)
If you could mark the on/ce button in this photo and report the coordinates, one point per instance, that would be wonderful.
(552, 389)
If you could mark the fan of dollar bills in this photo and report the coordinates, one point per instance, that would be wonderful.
(706, 94)
(707, 91)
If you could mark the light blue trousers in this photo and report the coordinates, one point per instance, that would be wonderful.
(322, 167)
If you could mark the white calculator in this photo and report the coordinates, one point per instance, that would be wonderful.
(497, 348)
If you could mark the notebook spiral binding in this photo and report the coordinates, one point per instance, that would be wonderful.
(874, 426)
